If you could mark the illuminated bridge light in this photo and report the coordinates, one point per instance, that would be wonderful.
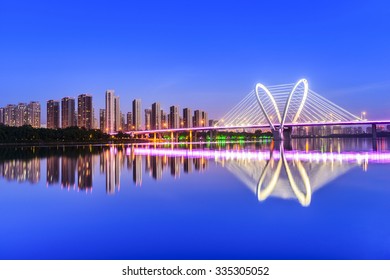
(380, 157)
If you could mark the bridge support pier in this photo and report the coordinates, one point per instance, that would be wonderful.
(287, 133)
(277, 135)
(190, 136)
(172, 136)
(280, 135)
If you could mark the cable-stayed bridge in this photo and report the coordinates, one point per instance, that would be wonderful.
(280, 108)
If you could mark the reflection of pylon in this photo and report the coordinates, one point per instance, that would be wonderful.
(263, 194)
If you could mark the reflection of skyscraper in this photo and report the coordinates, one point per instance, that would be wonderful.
(84, 171)
(156, 167)
(187, 165)
(102, 163)
(175, 166)
(113, 163)
(137, 170)
(117, 168)
(200, 164)
(110, 172)
(21, 170)
(68, 171)
(53, 170)
(34, 170)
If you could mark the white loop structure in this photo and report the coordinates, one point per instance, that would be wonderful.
(264, 88)
(286, 107)
(305, 91)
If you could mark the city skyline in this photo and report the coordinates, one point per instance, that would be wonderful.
(201, 58)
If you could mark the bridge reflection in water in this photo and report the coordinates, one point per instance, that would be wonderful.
(268, 171)
(292, 178)
(279, 173)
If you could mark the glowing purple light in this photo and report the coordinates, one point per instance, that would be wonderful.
(382, 157)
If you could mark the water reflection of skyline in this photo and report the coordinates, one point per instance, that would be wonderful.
(267, 171)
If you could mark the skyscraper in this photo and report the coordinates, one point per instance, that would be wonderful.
(148, 117)
(9, 115)
(200, 118)
(68, 113)
(187, 117)
(53, 114)
(102, 119)
(2, 115)
(156, 116)
(84, 111)
(117, 115)
(197, 118)
(129, 121)
(34, 114)
(164, 120)
(174, 117)
(205, 119)
(110, 116)
(21, 114)
(137, 121)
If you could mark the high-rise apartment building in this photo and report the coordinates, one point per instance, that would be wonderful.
(174, 117)
(85, 111)
(110, 115)
(164, 120)
(156, 116)
(205, 119)
(200, 118)
(34, 114)
(2, 115)
(68, 112)
(187, 117)
(137, 121)
(53, 114)
(102, 119)
(148, 117)
(9, 115)
(117, 115)
(129, 118)
(21, 114)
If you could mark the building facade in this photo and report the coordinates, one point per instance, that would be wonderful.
(155, 121)
(84, 111)
(68, 112)
(137, 121)
(53, 114)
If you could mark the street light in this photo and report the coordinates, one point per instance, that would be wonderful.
(363, 116)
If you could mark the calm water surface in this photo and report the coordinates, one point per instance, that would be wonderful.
(311, 199)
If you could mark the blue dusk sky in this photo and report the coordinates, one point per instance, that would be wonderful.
(200, 54)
